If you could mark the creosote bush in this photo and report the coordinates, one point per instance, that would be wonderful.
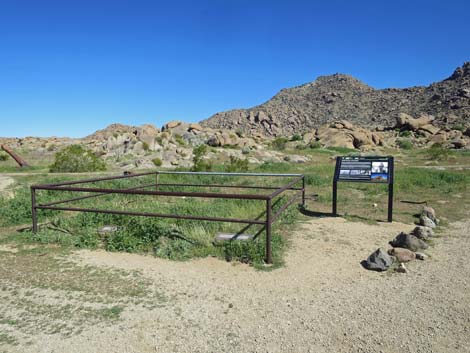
(279, 143)
(237, 165)
(296, 137)
(199, 163)
(76, 159)
(157, 162)
(405, 144)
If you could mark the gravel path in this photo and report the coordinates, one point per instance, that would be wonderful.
(321, 301)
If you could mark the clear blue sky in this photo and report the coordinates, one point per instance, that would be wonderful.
(68, 68)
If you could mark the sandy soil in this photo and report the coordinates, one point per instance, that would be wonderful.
(5, 181)
(321, 301)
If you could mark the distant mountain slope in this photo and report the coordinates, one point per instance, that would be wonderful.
(339, 96)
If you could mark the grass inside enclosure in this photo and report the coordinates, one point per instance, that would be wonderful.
(168, 238)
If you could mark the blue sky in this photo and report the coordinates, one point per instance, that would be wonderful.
(68, 68)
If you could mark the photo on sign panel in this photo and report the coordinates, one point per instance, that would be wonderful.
(380, 167)
(379, 177)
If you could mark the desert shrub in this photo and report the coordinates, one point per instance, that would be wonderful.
(437, 152)
(405, 133)
(405, 144)
(179, 139)
(145, 146)
(315, 144)
(3, 157)
(237, 165)
(199, 163)
(157, 161)
(76, 159)
(458, 127)
(296, 137)
(300, 146)
(279, 143)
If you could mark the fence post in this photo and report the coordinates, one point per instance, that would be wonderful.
(156, 180)
(33, 210)
(269, 257)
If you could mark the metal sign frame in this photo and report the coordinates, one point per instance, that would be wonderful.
(364, 178)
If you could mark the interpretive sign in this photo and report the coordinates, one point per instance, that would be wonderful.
(364, 170)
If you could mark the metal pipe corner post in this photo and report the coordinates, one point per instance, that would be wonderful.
(156, 180)
(269, 256)
(303, 191)
(34, 210)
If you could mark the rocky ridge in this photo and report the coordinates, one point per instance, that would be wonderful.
(342, 97)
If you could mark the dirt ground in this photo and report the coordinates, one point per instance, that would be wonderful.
(322, 300)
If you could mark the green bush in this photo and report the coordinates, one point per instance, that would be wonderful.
(437, 152)
(405, 133)
(145, 146)
(179, 139)
(279, 143)
(157, 161)
(458, 127)
(199, 163)
(3, 157)
(237, 165)
(405, 144)
(296, 137)
(315, 144)
(76, 159)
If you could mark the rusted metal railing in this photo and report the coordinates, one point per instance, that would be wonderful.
(270, 217)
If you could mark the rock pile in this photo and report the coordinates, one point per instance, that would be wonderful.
(405, 247)
(424, 132)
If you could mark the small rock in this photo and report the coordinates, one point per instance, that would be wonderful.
(107, 229)
(402, 255)
(401, 268)
(423, 233)
(379, 260)
(421, 256)
(408, 241)
(426, 221)
(429, 212)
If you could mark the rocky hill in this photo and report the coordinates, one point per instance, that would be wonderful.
(329, 98)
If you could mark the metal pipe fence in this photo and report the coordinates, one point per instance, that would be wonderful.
(295, 183)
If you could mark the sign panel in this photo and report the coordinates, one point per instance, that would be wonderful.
(370, 169)
(364, 169)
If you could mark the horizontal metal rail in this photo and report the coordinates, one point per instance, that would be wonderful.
(161, 215)
(226, 186)
(230, 174)
(157, 193)
(91, 196)
(85, 181)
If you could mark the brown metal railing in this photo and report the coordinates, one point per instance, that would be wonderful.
(269, 219)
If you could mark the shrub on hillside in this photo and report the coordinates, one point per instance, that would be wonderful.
(76, 159)
(237, 165)
(199, 163)
(3, 157)
(279, 143)
(405, 144)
